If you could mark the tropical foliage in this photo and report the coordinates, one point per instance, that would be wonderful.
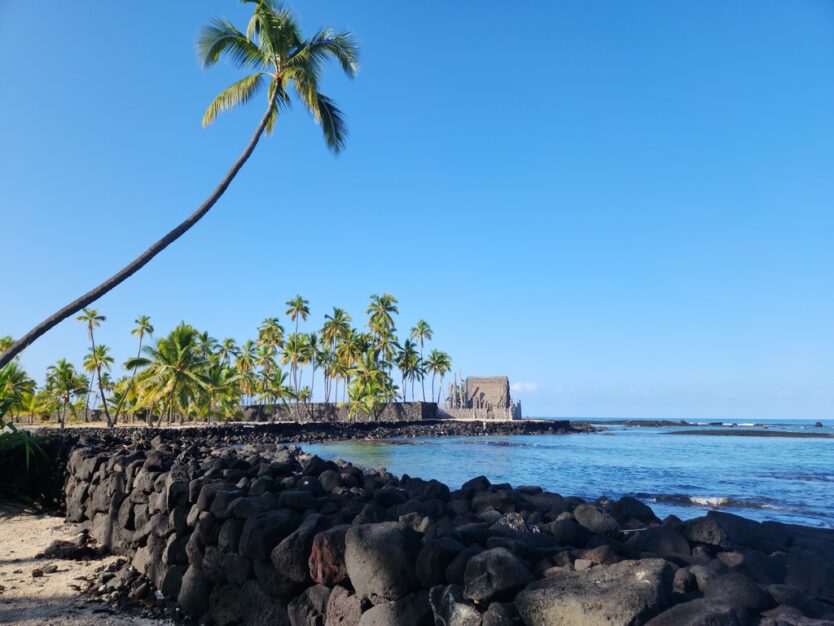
(188, 375)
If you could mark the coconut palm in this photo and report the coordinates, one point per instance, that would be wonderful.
(143, 327)
(271, 334)
(245, 366)
(295, 349)
(228, 351)
(99, 361)
(92, 319)
(381, 311)
(421, 333)
(439, 364)
(15, 385)
(171, 371)
(63, 380)
(278, 56)
(297, 308)
(409, 364)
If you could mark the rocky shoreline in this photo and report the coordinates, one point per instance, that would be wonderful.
(257, 533)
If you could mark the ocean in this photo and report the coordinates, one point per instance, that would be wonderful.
(763, 478)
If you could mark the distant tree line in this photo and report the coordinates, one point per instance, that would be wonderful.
(189, 375)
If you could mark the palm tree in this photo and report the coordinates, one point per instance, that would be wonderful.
(172, 371)
(275, 50)
(6, 343)
(421, 333)
(408, 362)
(245, 365)
(98, 359)
(143, 327)
(93, 320)
(381, 310)
(298, 307)
(63, 380)
(294, 354)
(439, 364)
(15, 386)
(228, 351)
(271, 334)
(336, 327)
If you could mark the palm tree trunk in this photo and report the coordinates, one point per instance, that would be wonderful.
(132, 378)
(137, 264)
(100, 385)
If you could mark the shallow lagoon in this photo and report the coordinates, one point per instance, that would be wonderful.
(781, 479)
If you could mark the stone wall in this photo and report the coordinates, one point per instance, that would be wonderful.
(321, 412)
(268, 535)
(488, 414)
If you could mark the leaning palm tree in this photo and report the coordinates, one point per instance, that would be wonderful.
(279, 57)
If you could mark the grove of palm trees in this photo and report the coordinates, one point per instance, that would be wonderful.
(189, 375)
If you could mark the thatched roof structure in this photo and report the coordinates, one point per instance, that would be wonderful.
(487, 391)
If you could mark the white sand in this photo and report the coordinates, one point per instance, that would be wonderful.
(53, 599)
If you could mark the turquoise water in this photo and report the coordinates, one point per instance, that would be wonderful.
(787, 480)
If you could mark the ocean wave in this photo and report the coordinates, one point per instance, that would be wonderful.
(713, 502)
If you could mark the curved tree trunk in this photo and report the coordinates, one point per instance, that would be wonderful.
(137, 264)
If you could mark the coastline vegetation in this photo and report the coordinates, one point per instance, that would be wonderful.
(188, 375)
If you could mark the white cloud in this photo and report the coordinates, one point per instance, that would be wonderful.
(524, 387)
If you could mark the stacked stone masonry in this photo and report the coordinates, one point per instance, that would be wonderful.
(265, 534)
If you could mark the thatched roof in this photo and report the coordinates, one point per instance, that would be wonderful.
(486, 391)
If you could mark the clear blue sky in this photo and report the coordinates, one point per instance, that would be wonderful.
(626, 207)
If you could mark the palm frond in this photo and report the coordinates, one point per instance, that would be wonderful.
(221, 37)
(237, 93)
(332, 122)
(325, 43)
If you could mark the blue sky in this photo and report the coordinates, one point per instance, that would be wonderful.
(626, 207)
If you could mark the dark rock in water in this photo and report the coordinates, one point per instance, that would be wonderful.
(327, 556)
(310, 607)
(623, 594)
(291, 556)
(660, 540)
(596, 519)
(739, 591)
(495, 574)
(699, 613)
(262, 532)
(412, 609)
(817, 424)
(706, 530)
(343, 608)
(193, 597)
(380, 559)
(450, 607)
(627, 508)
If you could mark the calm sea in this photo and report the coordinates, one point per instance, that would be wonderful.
(787, 480)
